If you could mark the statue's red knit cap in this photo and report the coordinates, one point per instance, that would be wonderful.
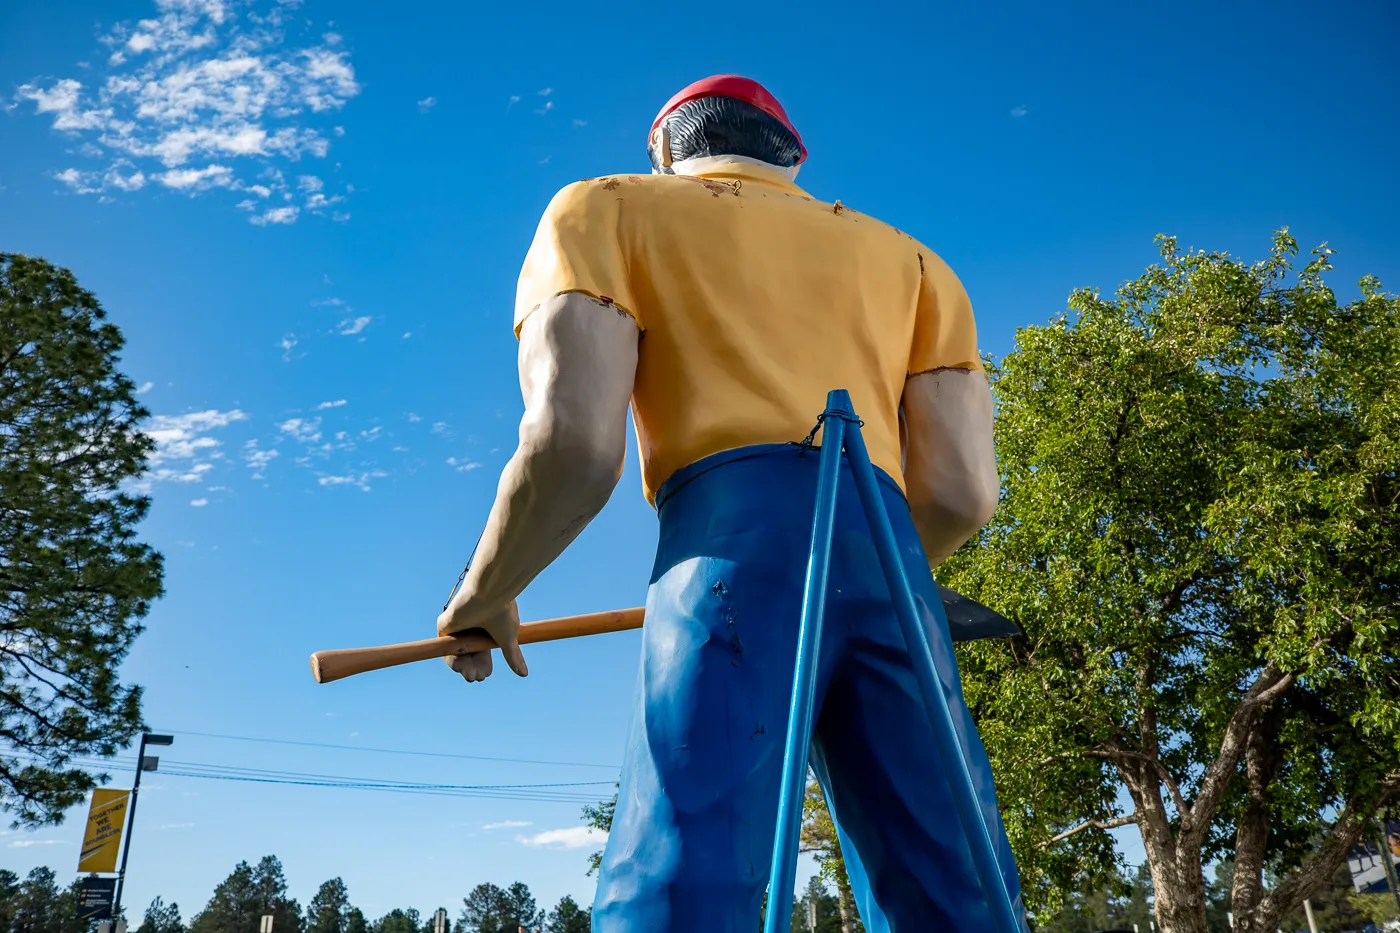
(740, 88)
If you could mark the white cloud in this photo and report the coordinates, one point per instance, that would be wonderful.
(257, 458)
(508, 824)
(184, 447)
(463, 466)
(197, 179)
(80, 182)
(177, 826)
(144, 387)
(580, 123)
(514, 99)
(414, 417)
(235, 86)
(548, 106)
(348, 326)
(575, 837)
(407, 334)
(439, 427)
(1020, 111)
(199, 503)
(426, 104)
(276, 215)
(287, 343)
(306, 430)
(26, 843)
(309, 183)
(336, 404)
(546, 92)
(360, 480)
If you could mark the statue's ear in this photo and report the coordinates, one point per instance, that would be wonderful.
(663, 144)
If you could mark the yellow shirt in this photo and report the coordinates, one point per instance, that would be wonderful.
(754, 301)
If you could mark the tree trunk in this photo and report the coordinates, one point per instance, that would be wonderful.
(843, 902)
(1252, 832)
(1178, 880)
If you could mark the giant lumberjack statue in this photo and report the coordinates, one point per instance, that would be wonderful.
(723, 302)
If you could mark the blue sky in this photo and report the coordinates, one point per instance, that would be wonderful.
(308, 219)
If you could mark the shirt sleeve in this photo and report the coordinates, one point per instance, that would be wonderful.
(576, 249)
(945, 334)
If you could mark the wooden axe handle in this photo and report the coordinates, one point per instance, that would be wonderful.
(343, 662)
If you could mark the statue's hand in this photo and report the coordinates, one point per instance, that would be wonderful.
(502, 624)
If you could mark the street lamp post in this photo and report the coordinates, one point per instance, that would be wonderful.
(141, 765)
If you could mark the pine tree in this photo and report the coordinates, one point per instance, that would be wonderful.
(75, 580)
(161, 918)
(568, 917)
(329, 910)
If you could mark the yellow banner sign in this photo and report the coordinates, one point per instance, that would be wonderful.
(104, 830)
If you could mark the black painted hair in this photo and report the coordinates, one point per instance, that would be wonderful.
(715, 126)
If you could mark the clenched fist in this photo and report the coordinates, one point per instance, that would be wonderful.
(502, 624)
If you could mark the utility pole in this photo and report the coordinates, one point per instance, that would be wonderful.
(141, 765)
(440, 920)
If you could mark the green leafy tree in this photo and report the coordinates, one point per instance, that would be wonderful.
(1198, 533)
(818, 837)
(599, 816)
(355, 921)
(74, 581)
(568, 917)
(245, 896)
(161, 918)
(329, 910)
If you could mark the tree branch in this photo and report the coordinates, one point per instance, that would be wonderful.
(1090, 824)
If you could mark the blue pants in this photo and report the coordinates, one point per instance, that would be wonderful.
(692, 836)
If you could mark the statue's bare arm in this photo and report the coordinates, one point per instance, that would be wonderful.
(578, 360)
(950, 470)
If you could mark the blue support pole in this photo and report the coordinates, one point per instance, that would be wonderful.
(804, 680)
(916, 639)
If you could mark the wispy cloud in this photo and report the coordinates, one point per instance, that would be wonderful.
(545, 92)
(26, 843)
(287, 343)
(580, 123)
(508, 824)
(548, 106)
(360, 479)
(462, 465)
(177, 826)
(185, 447)
(574, 837)
(1020, 111)
(204, 95)
(145, 387)
(276, 215)
(258, 459)
(306, 430)
(514, 99)
(336, 404)
(426, 104)
(199, 503)
(354, 326)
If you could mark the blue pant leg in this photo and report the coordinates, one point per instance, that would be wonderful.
(910, 866)
(692, 835)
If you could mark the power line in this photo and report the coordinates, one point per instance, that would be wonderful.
(551, 792)
(394, 751)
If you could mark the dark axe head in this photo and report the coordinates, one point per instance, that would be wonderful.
(969, 620)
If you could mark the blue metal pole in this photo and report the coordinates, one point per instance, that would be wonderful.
(916, 639)
(804, 679)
